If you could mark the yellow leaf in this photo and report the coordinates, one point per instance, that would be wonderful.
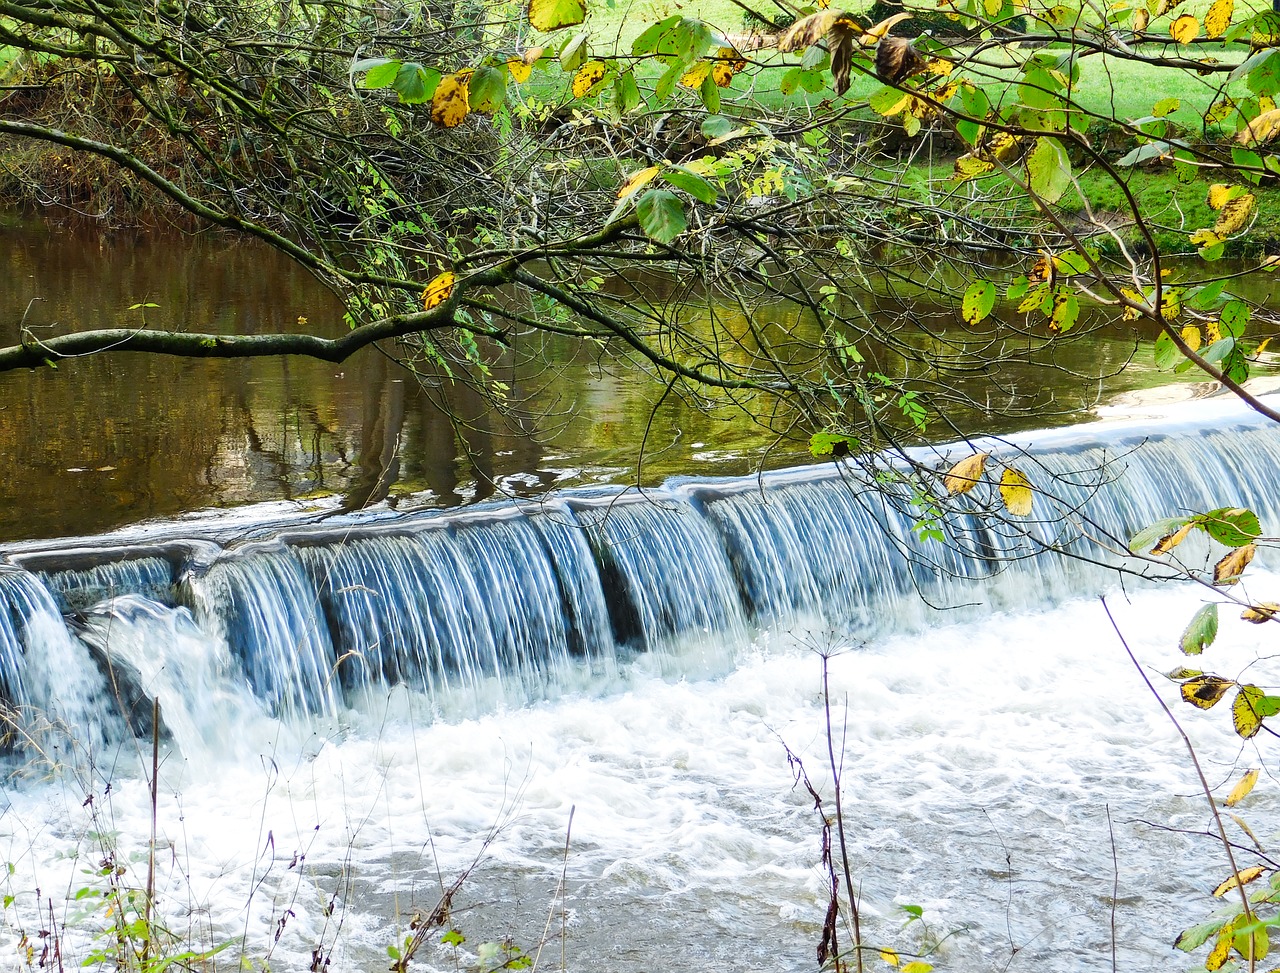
(969, 166)
(1042, 270)
(1219, 194)
(1229, 569)
(1212, 331)
(1171, 304)
(1184, 29)
(1205, 238)
(1243, 877)
(1141, 18)
(1170, 541)
(533, 55)
(1244, 712)
(1218, 19)
(1263, 611)
(890, 957)
(438, 291)
(1220, 110)
(993, 7)
(1015, 491)
(1205, 692)
(1191, 335)
(722, 74)
(451, 102)
(1233, 215)
(1221, 949)
(637, 180)
(590, 75)
(1240, 823)
(519, 70)
(916, 966)
(1263, 346)
(1242, 789)
(697, 74)
(964, 476)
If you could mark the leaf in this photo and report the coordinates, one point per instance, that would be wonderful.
(1244, 713)
(1015, 491)
(691, 183)
(626, 93)
(1201, 630)
(964, 476)
(487, 90)
(637, 180)
(917, 966)
(979, 299)
(1193, 938)
(549, 15)
(438, 291)
(1048, 170)
(1261, 129)
(1243, 877)
(1182, 673)
(587, 77)
(1234, 318)
(829, 444)
(450, 103)
(1170, 541)
(1230, 526)
(1240, 823)
(415, 84)
(890, 957)
(661, 215)
(519, 69)
(1242, 789)
(1228, 570)
(1151, 535)
(382, 73)
(1066, 309)
(574, 54)
(807, 31)
(697, 74)
(1165, 106)
(1218, 17)
(1205, 692)
(1233, 215)
(1221, 948)
(873, 35)
(1184, 29)
(1263, 611)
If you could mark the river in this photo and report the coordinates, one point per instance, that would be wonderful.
(586, 699)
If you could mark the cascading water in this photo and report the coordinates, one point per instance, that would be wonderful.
(302, 677)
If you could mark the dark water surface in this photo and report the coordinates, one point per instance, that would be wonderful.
(114, 439)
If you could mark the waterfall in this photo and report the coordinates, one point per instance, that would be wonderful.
(509, 601)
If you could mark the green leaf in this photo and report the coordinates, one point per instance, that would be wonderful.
(574, 54)
(1049, 170)
(1193, 938)
(548, 15)
(667, 83)
(1144, 153)
(978, 301)
(710, 93)
(1206, 297)
(382, 71)
(487, 90)
(1201, 630)
(1066, 310)
(1165, 106)
(1235, 318)
(661, 215)
(830, 444)
(416, 84)
(1166, 352)
(716, 126)
(453, 938)
(1219, 350)
(647, 42)
(1230, 526)
(815, 58)
(690, 182)
(626, 92)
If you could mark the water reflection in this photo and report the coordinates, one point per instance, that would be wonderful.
(111, 440)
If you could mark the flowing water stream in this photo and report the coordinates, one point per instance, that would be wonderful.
(352, 704)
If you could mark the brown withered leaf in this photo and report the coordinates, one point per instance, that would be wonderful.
(1229, 569)
(897, 60)
(874, 35)
(841, 44)
(964, 476)
(1170, 541)
(807, 31)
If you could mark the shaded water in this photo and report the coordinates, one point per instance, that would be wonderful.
(107, 441)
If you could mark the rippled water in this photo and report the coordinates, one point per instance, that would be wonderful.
(980, 763)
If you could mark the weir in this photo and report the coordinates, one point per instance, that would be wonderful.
(309, 614)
